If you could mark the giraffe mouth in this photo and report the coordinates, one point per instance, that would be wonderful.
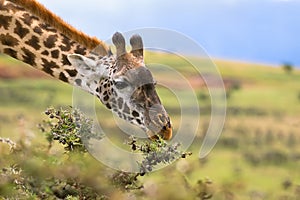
(158, 123)
(165, 133)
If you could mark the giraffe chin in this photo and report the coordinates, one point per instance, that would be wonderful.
(165, 133)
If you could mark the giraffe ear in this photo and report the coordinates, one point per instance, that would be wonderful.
(87, 67)
(82, 64)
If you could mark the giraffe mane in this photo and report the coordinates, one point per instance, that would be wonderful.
(55, 21)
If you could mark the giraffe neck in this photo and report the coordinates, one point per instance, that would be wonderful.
(34, 35)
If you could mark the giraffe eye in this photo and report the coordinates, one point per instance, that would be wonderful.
(121, 85)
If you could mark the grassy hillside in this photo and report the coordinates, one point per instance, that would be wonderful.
(265, 87)
(257, 156)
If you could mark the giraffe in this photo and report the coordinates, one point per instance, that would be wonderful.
(34, 35)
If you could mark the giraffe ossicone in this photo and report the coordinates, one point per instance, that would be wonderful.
(124, 84)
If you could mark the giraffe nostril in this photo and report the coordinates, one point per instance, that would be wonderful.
(169, 124)
(164, 128)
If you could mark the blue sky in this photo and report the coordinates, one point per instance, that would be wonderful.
(263, 31)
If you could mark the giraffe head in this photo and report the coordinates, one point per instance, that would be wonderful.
(124, 84)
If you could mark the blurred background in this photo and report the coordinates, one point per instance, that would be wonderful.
(255, 46)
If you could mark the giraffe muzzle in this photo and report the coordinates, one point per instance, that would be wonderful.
(165, 133)
(159, 123)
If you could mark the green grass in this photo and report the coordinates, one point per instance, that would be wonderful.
(263, 89)
(34, 93)
(270, 99)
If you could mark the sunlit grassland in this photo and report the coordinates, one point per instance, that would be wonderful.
(256, 154)
(263, 87)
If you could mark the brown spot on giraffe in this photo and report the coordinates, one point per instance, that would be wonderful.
(10, 52)
(50, 41)
(48, 28)
(38, 30)
(8, 40)
(63, 77)
(27, 19)
(71, 72)
(34, 42)
(55, 53)
(48, 70)
(4, 21)
(45, 53)
(20, 31)
(49, 64)
(80, 50)
(65, 60)
(28, 57)
(66, 45)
